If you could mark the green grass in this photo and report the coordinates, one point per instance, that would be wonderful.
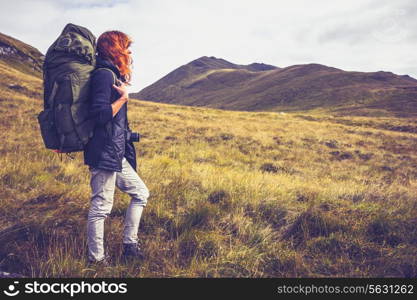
(233, 194)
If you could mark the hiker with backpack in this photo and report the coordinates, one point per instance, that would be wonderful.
(85, 109)
(110, 153)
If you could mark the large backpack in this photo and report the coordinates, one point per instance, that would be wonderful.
(69, 61)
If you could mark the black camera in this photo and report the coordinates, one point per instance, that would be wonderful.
(132, 136)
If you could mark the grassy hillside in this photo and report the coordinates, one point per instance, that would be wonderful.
(20, 55)
(215, 83)
(233, 194)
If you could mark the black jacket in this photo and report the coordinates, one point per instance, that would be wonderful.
(106, 148)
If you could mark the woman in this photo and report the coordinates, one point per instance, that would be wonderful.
(110, 153)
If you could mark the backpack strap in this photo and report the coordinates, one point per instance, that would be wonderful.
(114, 75)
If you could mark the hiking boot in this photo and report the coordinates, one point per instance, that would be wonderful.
(105, 262)
(132, 251)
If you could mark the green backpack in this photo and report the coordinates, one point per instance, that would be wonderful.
(68, 64)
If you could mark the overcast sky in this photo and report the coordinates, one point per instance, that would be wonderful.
(357, 35)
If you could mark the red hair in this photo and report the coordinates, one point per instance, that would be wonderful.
(114, 45)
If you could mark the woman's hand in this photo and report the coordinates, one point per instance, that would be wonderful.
(122, 89)
(124, 97)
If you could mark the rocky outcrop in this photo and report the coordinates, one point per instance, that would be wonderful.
(5, 50)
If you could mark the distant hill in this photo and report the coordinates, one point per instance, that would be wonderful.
(20, 56)
(20, 69)
(217, 83)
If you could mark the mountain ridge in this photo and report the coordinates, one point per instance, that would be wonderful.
(217, 83)
(214, 82)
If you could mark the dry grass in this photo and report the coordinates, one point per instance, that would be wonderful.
(233, 194)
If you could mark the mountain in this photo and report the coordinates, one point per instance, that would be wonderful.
(217, 83)
(20, 56)
(20, 69)
(204, 77)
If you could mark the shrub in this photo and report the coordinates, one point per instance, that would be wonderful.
(323, 245)
(384, 230)
(312, 223)
(203, 217)
(282, 264)
(269, 168)
(219, 196)
(273, 213)
(198, 244)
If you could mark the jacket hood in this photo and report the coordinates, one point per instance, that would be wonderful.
(102, 62)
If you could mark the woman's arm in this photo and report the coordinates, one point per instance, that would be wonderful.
(101, 107)
(124, 97)
(117, 105)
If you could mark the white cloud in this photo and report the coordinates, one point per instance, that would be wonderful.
(362, 35)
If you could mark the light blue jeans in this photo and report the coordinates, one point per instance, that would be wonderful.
(103, 184)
